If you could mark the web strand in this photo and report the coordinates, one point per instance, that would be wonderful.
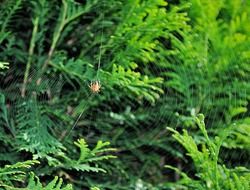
(97, 74)
(77, 120)
(100, 52)
(72, 128)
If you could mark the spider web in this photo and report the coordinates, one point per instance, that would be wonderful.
(146, 136)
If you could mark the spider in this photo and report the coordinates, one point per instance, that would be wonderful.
(95, 86)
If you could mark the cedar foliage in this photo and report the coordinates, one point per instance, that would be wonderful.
(211, 174)
(162, 63)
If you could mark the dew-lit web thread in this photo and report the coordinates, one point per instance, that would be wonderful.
(147, 105)
(98, 68)
(78, 118)
(100, 49)
(14, 95)
(53, 85)
(192, 102)
(97, 75)
(68, 132)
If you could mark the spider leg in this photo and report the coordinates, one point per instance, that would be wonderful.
(91, 84)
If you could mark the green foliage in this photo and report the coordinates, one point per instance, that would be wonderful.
(94, 188)
(88, 159)
(239, 138)
(158, 62)
(4, 120)
(213, 53)
(55, 184)
(211, 174)
(4, 65)
(69, 12)
(15, 172)
(33, 131)
(8, 10)
(4, 114)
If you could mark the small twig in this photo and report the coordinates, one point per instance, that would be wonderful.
(31, 52)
